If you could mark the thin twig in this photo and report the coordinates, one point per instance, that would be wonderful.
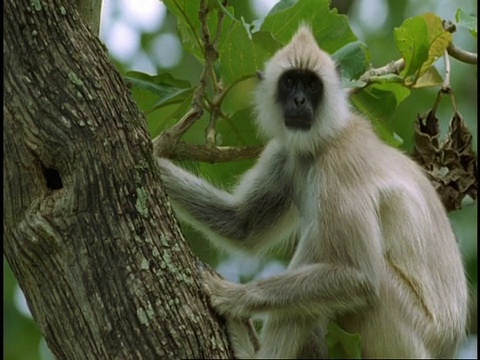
(446, 81)
(210, 130)
(170, 137)
(211, 55)
(212, 124)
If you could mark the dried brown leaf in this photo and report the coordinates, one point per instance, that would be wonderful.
(452, 166)
(425, 140)
(459, 157)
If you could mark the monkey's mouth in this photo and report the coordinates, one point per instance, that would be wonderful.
(303, 122)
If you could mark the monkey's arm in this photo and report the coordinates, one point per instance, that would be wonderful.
(317, 290)
(258, 212)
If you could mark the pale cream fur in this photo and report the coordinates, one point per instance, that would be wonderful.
(375, 253)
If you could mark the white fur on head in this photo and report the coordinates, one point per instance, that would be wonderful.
(333, 113)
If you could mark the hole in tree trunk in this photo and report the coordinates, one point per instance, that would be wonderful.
(54, 181)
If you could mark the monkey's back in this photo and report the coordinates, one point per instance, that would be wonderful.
(422, 279)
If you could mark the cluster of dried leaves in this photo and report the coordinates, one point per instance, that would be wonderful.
(451, 165)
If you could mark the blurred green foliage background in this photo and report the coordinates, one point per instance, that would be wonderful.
(134, 33)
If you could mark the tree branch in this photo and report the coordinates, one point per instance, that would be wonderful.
(462, 55)
(212, 154)
(394, 67)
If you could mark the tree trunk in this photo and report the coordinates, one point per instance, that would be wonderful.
(89, 234)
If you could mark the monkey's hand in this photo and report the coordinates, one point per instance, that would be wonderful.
(226, 298)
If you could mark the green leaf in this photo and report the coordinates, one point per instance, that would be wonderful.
(341, 344)
(383, 98)
(167, 116)
(281, 5)
(236, 50)
(464, 223)
(421, 41)
(173, 98)
(188, 25)
(158, 84)
(430, 78)
(168, 90)
(227, 23)
(353, 58)
(213, 4)
(239, 129)
(468, 21)
(438, 38)
(225, 10)
(264, 47)
(330, 29)
(413, 43)
(190, 41)
(378, 102)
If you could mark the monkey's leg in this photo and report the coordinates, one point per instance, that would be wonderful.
(283, 336)
(387, 333)
(244, 342)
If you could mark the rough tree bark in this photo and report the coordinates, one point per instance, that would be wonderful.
(88, 232)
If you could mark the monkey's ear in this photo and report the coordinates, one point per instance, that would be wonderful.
(260, 75)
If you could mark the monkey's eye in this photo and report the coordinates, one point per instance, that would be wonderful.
(313, 85)
(289, 83)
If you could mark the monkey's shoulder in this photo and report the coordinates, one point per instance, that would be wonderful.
(358, 147)
(360, 159)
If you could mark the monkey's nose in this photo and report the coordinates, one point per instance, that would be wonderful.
(299, 100)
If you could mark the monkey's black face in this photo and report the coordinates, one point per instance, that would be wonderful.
(299, 93)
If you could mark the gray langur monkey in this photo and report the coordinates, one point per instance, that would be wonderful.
(376, 253)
